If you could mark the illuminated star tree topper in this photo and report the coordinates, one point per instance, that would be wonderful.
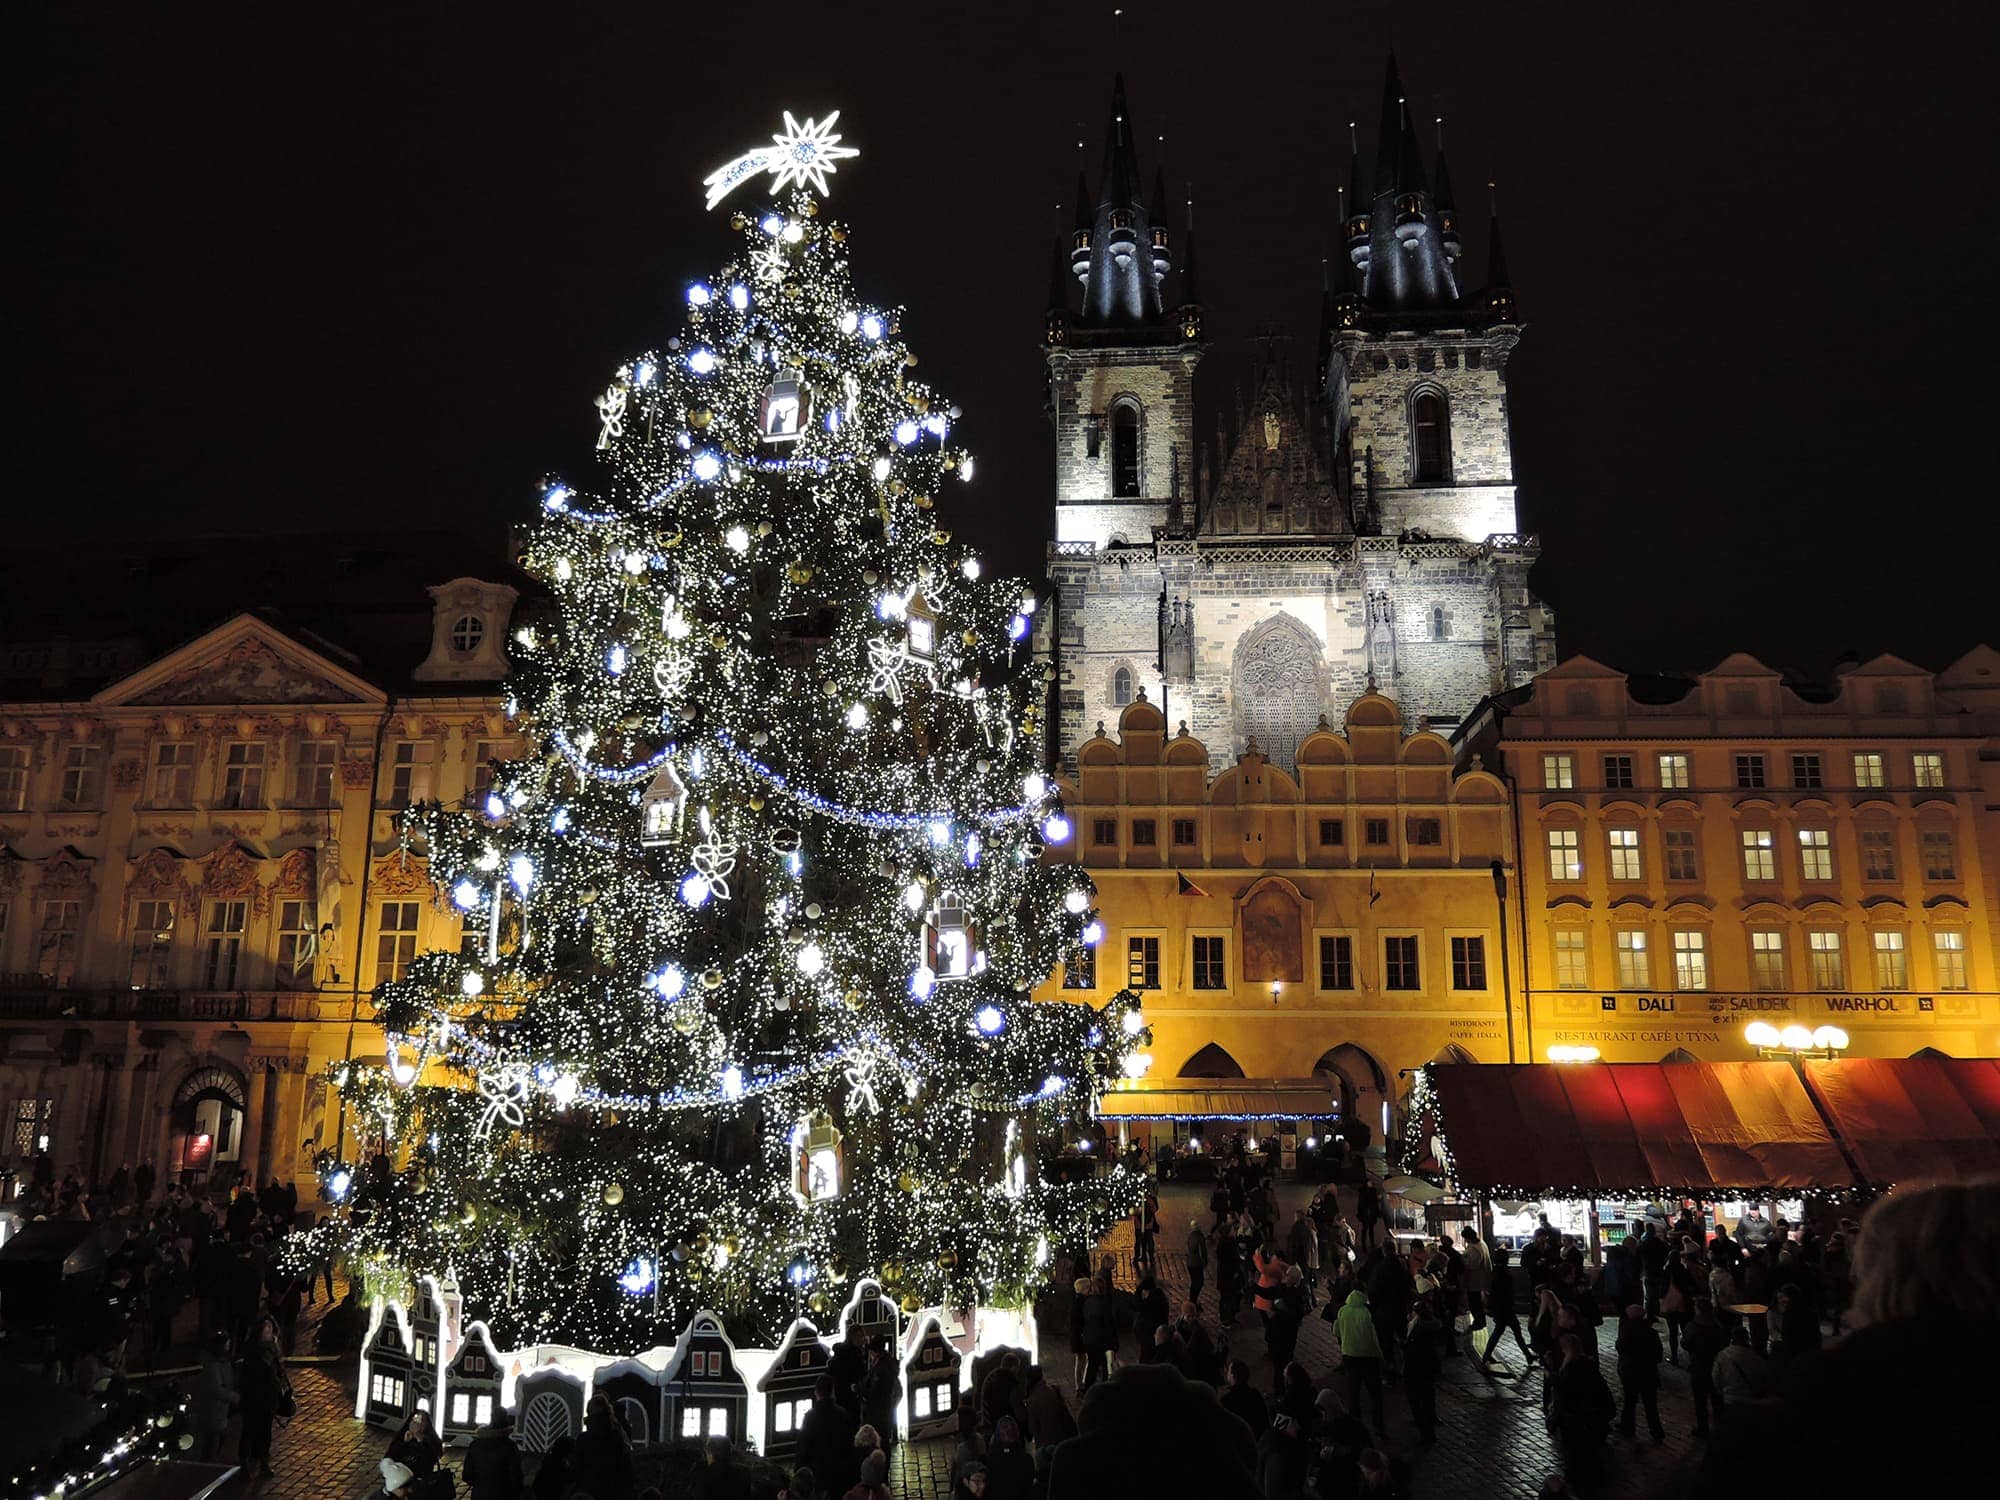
(802, 154)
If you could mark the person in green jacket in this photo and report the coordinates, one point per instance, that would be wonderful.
(1360, 1356)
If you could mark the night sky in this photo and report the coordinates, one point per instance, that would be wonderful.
(295, 276)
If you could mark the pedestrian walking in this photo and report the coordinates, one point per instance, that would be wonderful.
(1639, 1356)
(1197, 1260)
(603, 1467)
(1581, 1409)
(1500, 1302)
(1367, 1212)
(265, 1395)
(881, 1390)
(214, 1398)
(1354, 1334)
(1475, 1278)
(1705, 1338)
(492, 1467)
(1421, 1364)
(1305, 1253)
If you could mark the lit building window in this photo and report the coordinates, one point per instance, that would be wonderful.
(1767, 959)
(1635, 969)
(1674, 776)
(1625, 861)
(1828, 971)
(1949, 950)
(1572, 958)
(1868, 769)
(1892, 962)
(1690, 961)
(1565, 854)
(1927, 769)
(1558, 772)
(1759, 854)
(1679, 844)
(1815, 854)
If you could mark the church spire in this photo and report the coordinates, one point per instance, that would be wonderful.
(1447, 210)
(1123, 285)
(1404, 258)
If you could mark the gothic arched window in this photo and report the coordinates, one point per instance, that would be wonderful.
(1121, 687)
(1437, 622)
(1125, 450)
(1277, 692)
(1430, 434)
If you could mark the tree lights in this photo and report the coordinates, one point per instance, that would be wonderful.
(751, 931)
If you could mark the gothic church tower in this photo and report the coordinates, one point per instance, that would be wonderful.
(1357, 532)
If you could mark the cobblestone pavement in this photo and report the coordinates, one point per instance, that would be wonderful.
(1492, 1444)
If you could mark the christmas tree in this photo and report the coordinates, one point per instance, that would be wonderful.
(742, 1013)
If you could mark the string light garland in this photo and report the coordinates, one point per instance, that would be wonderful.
(740, 883)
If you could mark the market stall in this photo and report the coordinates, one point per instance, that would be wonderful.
(1913, 1119)
(1599, 1147)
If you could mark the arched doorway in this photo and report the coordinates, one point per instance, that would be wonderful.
(207, 1114)
(1451, 1052)
(1211, 1062)
(1361, 1086)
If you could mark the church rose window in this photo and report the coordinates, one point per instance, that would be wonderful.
(1125, 451)
(1277, 689)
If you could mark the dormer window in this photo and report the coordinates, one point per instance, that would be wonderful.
(468, 626)
(467, 631)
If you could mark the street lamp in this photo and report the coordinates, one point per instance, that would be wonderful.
(1795, 1042)
(1563, 1054)
(1277, 989)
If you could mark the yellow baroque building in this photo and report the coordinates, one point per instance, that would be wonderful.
(1698, 853)
(200, 873)
(1301, 941)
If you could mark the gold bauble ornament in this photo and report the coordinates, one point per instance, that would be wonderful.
(711, 979)
(906, 1182)
(817, 1302)
(738, 223)
(922, 502)
(686, 1019)
(731, 1244)
(950, 463)
(921, 403)
(701, 1244)
(756, 802)
(970, 638)
(892, 1270)
(910, 361)
(765, 528)
(614, 1194)
(800, 573)
(910, 1304)
(941, 536)
(947, 1259)
(792, 289)
(839, 235)
(700, 417)
(853, 999)
(896, 486)
(718, 640)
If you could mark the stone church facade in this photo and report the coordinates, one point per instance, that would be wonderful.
(1350, 531)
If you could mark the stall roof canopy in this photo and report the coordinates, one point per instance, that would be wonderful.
(1221, 1099)
(1527, 1129)
(1913, 1119)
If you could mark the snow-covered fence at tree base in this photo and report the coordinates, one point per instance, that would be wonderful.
(425, 1357)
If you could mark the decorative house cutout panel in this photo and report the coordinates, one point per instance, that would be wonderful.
(706, 1392)
(933, 1369)
(784, 1391)
(473, 1383)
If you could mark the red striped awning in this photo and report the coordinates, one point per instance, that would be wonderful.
(1598, 1129)
(1913, 1119)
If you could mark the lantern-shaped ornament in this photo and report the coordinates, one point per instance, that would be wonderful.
(785, 409)
(921, 622)
(818, 1166)
(951, 943)
(663, 808)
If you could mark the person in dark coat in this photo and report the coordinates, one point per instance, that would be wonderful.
(1705, 1338)
(881, 1390)
(552, 1475)
(848, 1365)
(1049, 1419)
(1282, 1456)
(242, 1216)
(263, 1389)
(1281, 1324)
(1149, 1314)
(1243, 1401)
(826, 1439)
(1148, 1431)
(1582, 1409)
(1010, 1472)
(1639, 1356)
(214, 1398)
(1097, 1330)
(1000, 1392)
(492, 1467)
(718, 1478)
(603, 1468)
(1422, 1359)
(418, 1447)
(1367, 1213)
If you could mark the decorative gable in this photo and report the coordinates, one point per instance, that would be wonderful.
(243, 663)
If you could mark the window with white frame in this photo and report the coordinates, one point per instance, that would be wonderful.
(152, 944)
(82, 777)
(1565, 854)
(1572, 958)
(395, 939)
(222, 944)
(313, 773)
(1400, 963)
(1468, 963)
(1948, 952)
(1559, 772)
(173, 774)
(1210, 966)
(1678, 846)
(1625, 862)
(1806, 773)
(1690, 960)
(1674, 771)
(1892, 962)
(243, 775)
(1336, 961)
(55, 957)
(1927, 769)
(467, 631)
(1878, 854)
(1142, 963)
(1815, 854)
(298, 944)
(484, 756)
(1868, 769)
(1940, 854)
(1767, 958)
(410, 772)
(13, 778)
(1635, 968)
(1760, 860)
(1829, 972)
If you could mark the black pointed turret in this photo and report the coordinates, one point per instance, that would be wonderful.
(1447, 210)
(1499, 288)
(1156, 216)
(1125, 261)
(1389, 132)
(1400, 247)
(1086, 217)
